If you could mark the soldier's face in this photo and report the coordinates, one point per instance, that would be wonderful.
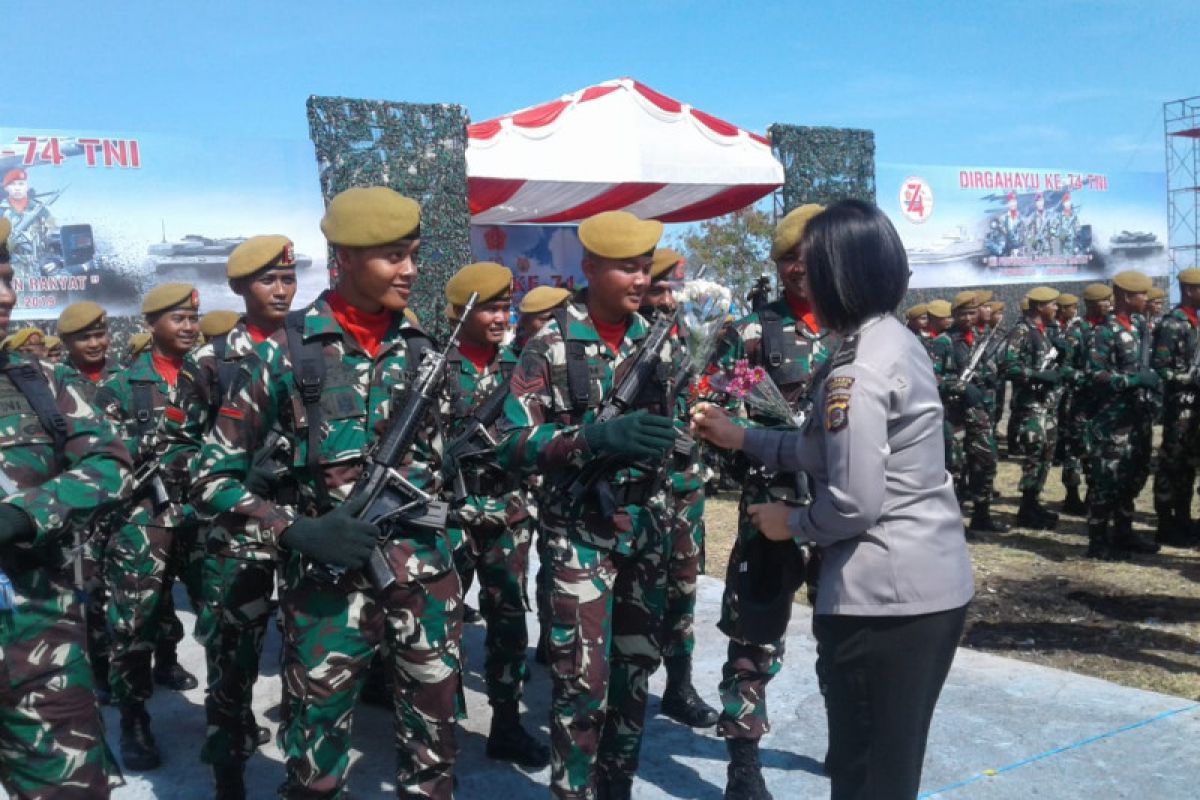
(1047, 311)
(17, 190)
(88, 348)
(34, 346)
(939, 324)
(375, 278)
(985, 315)
(8, 298)
(528, 325)
(175, 331)
(1190, 295)
(616, 286)
(1098, 308)
(965, 317)
(268, 296)
(55, 354)
(920, 323)
(1134, 302)
(1067, 313)
(660, 297)
(487, 324)
(792, 273)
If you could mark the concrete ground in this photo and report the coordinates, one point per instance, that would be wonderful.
(1003, 729)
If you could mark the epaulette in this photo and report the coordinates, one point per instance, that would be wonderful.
(846, 353)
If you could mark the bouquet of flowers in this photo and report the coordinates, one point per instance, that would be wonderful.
(754, 387)
(702, 308)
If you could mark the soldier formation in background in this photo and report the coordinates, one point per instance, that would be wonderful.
(336, 457)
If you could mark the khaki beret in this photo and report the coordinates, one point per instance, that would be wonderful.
(489, 279)
(80, 316)
(259, 252)
(790, 229)
(21, 337)
(619, 234)
(996, 306)
(984, 296)
(1065, 299)
(938, 308)
(964, 300)
(217, 323)
(53, 342)
(370, 216)
(1042, 294)
(1132, 281)
(5, 230)
(916, 311)
(139, 342)
(1097, 291)
(1189, 277)
(664, 261)
(1155, 293)
(170, 295)
(543, 298)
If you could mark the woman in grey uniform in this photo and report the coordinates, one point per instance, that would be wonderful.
(895, 577)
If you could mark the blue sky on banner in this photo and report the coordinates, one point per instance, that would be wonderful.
(968, 83)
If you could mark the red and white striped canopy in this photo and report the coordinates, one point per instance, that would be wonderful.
(615, 145)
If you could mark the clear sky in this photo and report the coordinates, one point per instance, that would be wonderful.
(1075, 84)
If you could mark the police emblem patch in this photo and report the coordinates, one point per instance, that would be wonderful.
(837, 403)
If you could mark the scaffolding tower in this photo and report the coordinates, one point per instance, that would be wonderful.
(1181, 122)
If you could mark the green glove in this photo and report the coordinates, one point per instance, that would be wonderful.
(260, 481)
(15, 525)
(336, 537)
(635, 436)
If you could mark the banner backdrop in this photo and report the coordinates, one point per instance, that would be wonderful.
(970, 226)
(104, 217)
(538, 255)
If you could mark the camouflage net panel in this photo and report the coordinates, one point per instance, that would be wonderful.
(823, 165)
(420, 151)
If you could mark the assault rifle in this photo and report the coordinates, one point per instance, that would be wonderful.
(148, 476)
(1145, 347)
(392, 497)
(474, 441)
(982, 350)
(643, 368)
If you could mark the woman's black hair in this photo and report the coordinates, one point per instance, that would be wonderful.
(857, 267)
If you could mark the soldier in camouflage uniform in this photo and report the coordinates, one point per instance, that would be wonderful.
(685, 497)
(607, 547)
(149, 550)
(941, 352)
(84, 329)
(60, 462)
(783, 338)
(968, 411)
(331, 380)
(917, 320)
(1031, 361)
(1071, 444)
(238, 579)
(1177, 360)
(1121, 424)
(491, 514)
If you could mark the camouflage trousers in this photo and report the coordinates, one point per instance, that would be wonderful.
(1076, 442)
(1176, 473)
(232, 626)
(141, 565)
(99, 643)
(1120, 463)
(684, 565)
(500, 558)
(748, 667)
(955, 458)
(1038, 429)
(331, 632)
(980, 454)
(605, 643)
(51, 734)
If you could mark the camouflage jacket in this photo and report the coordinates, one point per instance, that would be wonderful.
(89, 387)
(1026, 351)
(800, 353)
(357, 400)
(1175, 349)
(685, 469)
(941, 353)
(95, 471)
(541, 430)
(987, 372)
(1113, 361)
(492, 499)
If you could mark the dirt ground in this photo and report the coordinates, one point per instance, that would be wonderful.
(1037, 598)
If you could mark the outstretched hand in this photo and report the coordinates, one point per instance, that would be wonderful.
(714, 426)
(771, 520)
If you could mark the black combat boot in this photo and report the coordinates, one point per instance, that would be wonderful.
(1029, 515)
(1074, 504)
(1125, 539)
(139, 753)
(982, 520)
(613, 787)
(509, 741)
(1098, 547)
(168, 672)
(100, 678)
(1175, 526)
(230, 781)
(745, 780)
(1051, 519)
(680, 701)
(377, 690)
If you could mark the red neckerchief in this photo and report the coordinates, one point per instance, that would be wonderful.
(167, 367)
(479, 355)
(1041, 326)
(19, 206)
(1125, 321)
(1191, 314)
(611, 333)
(802, 311)
(366, 328)
(93, 375)
(969, 338)
(257, 334)
(1096, 320)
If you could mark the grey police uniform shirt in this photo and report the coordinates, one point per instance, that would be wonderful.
(884, 512)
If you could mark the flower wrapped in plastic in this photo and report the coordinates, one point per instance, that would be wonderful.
(702, 307)
(754, 387)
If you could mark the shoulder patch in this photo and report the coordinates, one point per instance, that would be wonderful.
(837, 408)
(839, 383)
